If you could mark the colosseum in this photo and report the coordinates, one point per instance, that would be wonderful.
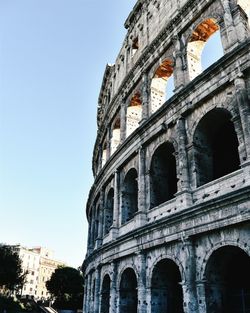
(169, 210)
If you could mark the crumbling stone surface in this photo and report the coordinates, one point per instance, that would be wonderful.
(169, 211)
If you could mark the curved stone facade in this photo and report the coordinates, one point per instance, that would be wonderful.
(169, 210)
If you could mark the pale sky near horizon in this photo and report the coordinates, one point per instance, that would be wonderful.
(52, 58)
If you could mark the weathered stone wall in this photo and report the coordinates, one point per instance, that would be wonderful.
(169, 210)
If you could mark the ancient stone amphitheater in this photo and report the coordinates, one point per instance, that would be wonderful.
(169, 211)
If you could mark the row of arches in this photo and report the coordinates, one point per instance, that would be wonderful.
(226, 285)
(215, 154)
(162, 80)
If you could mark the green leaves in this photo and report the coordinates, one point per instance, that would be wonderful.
(11, 275)
(66, 286)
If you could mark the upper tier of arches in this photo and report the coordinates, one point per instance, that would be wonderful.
(153, 73)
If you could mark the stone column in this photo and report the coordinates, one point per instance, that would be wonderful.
(189, 288)
(115, 225)
(141, 214)
(90, 246)
(180, 66)
(145, 97)
(142, 295)
(89, 295)
(109, 136)
(100, 219)
(184, 180)
(241, 23)
(244, 111)
(113, 288)
(201, 296)
(97, 289)
(145, 22)
(92, 227)
(123, 120)
(85, 300)
(184, 197)
(232, 39)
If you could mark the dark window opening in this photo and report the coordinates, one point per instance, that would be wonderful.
(105, 295)
(163, 175)
(130, 196)
(228, 281)
(128, 292)
(216, 146)
(166, 291)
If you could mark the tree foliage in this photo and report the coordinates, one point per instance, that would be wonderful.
(66, 287)
(11, 274)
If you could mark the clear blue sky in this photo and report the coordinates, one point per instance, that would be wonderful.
(52, 58)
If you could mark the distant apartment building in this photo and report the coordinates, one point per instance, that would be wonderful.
(39, 263)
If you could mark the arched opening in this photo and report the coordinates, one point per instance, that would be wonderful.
(166, 291)
(128, 292)
(227, 278)
(216, 146)
(130, 196)
(105, 295)
(161, 80)
(163, 179)
(134, 114)
(205, 31)
(109, 211)
(116, 135)
(104, 154)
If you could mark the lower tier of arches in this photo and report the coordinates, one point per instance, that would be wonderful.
(208, 275)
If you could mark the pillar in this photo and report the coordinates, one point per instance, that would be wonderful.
(145, 97)
(141, 214)
(123, 114)
(241, 23)
(190, 304)
(201, 296)
(85, 300)
(115, 226)
(101, 220)
(244, 111)
(109, 136)
(180, 66)
(113, 288)
(184, 197)
(97, 289)
(142, 295)
(230, 30)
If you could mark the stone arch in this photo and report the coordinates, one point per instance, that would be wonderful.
(227, 275)
(129, 196)
(128, 296)
(115, 134)
(109, 211)
(168, 257)
(105, 294)
(238, 244)
(196, 44)
(163, 175)
(215, 148)
(134, 113)
(166, 291)
(159, 84)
